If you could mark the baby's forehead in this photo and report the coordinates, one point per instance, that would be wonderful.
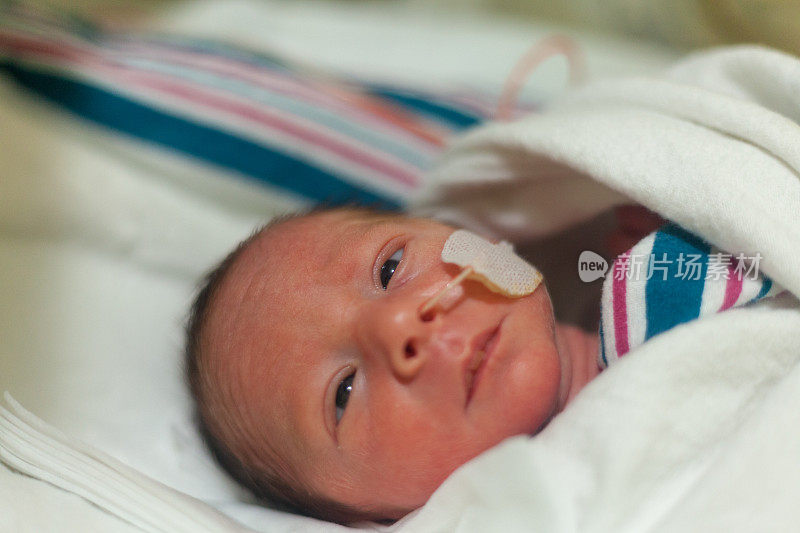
(307, 237)
(332, 221)
(286, 253)
(285, 256)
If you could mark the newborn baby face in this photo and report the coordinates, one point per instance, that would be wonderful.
(337, 380)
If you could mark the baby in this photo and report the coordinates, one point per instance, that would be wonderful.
(324, 385)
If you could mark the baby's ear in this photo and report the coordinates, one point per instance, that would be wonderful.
(634, 222)
(637, 220)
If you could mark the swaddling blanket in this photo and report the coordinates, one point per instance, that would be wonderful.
(697, 428)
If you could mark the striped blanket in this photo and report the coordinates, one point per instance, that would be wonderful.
(671, 277)
(284, 125)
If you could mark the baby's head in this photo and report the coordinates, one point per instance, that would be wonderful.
(321, 386)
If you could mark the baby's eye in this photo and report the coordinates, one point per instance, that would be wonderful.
(388, 268)
(342, 395)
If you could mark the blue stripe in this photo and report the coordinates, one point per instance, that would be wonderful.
(603, 346)
(765, 287)
(206, 47)
(390, 143)
(675, 300)
(423, 104)
(261, 163)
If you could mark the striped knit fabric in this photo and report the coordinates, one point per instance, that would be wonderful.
(285, 126)
(668, 278)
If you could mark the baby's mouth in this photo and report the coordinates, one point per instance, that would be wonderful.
(483, 346)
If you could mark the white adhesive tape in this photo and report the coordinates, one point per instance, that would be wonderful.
(495, 265)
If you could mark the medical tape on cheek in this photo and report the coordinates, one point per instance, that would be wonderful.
(496, 266)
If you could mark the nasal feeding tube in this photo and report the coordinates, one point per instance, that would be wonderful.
(495, 265)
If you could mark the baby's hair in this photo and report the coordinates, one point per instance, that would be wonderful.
(268, 486)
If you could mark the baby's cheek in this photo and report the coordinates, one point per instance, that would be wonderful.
(403, 428)
(531, 384)
(536, 384)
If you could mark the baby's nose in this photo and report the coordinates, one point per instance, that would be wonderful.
(403, 336)
(408, 361)
(399, 329)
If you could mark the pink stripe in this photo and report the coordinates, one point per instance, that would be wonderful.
(237, 109)
(288, 85)
(61, 50)
(261, 116)
(620, 305)
(732, 289)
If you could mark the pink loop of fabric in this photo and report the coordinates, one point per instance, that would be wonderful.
(549, 46)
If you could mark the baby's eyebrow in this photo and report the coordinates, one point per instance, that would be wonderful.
(380, 225)
(362, 242)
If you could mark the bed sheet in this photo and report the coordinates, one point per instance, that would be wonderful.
(406, 43)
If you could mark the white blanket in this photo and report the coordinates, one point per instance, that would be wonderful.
(696, 430)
